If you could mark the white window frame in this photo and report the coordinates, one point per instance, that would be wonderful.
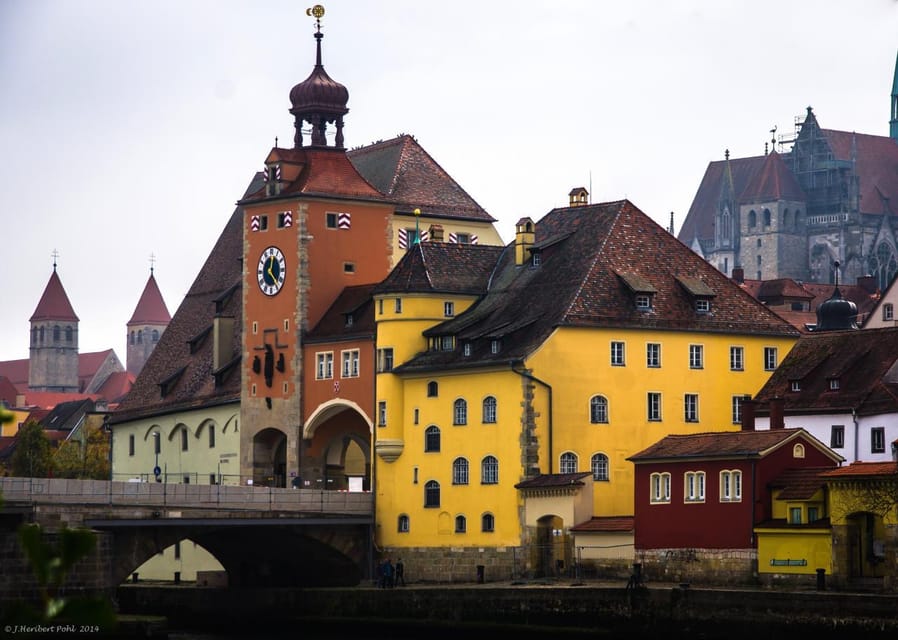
(598, 409)
(460, 471)
(350, 360)
(736, 409)
(731, 485)
(737, 358)
(448, 309)
(690, 407)
(489, 470)
(567, 462)
(324, 365)
(694, 486)
(770, 358)
(599, 465)
(659, 492)
(460, 412)
(696, 356)
(382, 413)
(653, 355)
(618, 353)
(653, 406)
(490, 409)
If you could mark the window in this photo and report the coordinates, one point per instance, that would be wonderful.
(382, 413)
(598, 410)
(70, 335)
(350, 363)
(325, 366)
(877, 440)
(599, 466)
(798, 451)
(495, 346)
(489, 410)
(416, 416)
(617, 354)
(837, 436)
(448, 309)
(660, 488)
(331, 220)
(487, 523)
(730, 486)
(349, 267)
(385, 359)
(536, 259)
(432, 494)
(348, 320)
(402, 524)
(461, 524)
(398, 305)
(211, 428)
(766, 217)
(489, 470)
(795, 385)
(460, 412)
(794, 515)
(155, 335)
(285, 219)
(157, 444)
(185, 439)
(703, 305)
(263, 223)
(433, 389)
(447, 343)
(568, 463)
(813, 514)
(654, 406)
(460, 471)
(834, 384)
(643, 301)
(737, 409)
(888, 311)
(769, 358)
(432, 439)
(696, 356)
(131, 444)
(653, 354)
(752, 218)
(467, 349)
(694, 486)
(690, 407)
(463, 238)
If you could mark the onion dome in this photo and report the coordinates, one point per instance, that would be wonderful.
(319, 100)
(837, 312)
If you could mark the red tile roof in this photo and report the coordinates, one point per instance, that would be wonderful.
(54, 303)
(151, 307)
(554, 480)
(799, 484)
(773, 182)
(606, 524)
(355, 301)
(863, 469)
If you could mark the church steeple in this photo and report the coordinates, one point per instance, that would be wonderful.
(53, 354)
(149, 321)
(893, 123)
(318, 99)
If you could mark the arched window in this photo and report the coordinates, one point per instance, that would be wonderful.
(798, 451)
(432, 494)
(766, 217)
(461, 524)
(433, 389)
(489, 470)
(69, 334)
(786, 219)
(432, 438)
(598, 410)
(132, 337)
(487, 523)
(42, 335)
(140, 336)
(489, 410)
(55, 333)
(460, 471)
(211, 428)
(568, 463)
(402, 524)
(460, 412)
(155, 335)
(34, 335)
(599, 465)
(752, 219)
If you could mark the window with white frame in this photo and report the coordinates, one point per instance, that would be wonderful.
(495, 345)
(568, 463)
(660, 488)
(690, 407)
(385, 359)
(599, 466)
(888, 311)
(643, 301)
(737, 409)
(696, 356)
(837, 436)
(770, 358)
(448, 309)
(653, 355)
(460, 411)
(617, 354)
(461, 524)
(598, 410)
(350, 363)
(703, 305)
(397, 305)
(432, 439)
(489, 470)
(653, 402)
(694, 486)
(460, 471)
(324, 369)
(834, 384)
(731, 485)
(737, 358)
(402, 524)
(382, 413)
(489, 410)
(795, 385)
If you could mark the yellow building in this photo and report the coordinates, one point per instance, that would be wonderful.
(507, 376)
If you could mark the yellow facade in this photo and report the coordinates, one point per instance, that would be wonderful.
(570, 367)
(792, 549)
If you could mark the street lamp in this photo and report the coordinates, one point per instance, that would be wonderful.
(157, 445)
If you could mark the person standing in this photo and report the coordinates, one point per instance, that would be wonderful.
(400, 573)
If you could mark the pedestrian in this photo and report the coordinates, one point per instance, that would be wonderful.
(400, 573)
(380, 574)
(388, 574)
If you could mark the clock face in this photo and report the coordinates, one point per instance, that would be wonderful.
(272, 271)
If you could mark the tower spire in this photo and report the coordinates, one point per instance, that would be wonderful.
(893, 123)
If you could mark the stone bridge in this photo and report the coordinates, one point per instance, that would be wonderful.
(263, 536)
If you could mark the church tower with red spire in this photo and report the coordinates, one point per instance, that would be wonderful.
(53, 360)
(149, 321)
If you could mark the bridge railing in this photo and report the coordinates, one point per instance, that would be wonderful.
(250, 498)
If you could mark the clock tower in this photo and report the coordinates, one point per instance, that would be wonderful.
(315, 228)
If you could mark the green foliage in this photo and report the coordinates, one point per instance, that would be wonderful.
(32, 455)
(86, 458)
(51, 565)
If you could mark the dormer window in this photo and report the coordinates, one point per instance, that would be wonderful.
(535, 259)
(833, 384)
(495, 345)
(449, 309)
(467, 349)
(643, 291)
(348, 320)
(702, 305)
(643, 302)
(447, 343)
(795, 385)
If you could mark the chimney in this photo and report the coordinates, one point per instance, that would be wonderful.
(222, 341)
(776, 414)
(748, 414)
(579, 197)
(523, 240)
(436, 233)
(738, 275)
(867, 283)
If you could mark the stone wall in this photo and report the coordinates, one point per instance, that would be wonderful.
(457, 564)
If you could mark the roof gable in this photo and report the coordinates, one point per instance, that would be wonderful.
(54, 303)
(151, 307)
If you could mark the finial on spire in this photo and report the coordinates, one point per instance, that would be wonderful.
(55, 255)
(317, 11)
(773, 138)
(726, 154)
(152, 262)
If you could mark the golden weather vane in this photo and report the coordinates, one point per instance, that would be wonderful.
(317, 11)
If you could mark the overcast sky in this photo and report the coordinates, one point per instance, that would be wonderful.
(130, 128)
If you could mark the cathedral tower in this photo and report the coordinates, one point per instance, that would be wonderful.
(53, 361)
(146, 325)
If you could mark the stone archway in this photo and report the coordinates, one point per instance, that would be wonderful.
(552, 549)
(335, 452)
(270, 458)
